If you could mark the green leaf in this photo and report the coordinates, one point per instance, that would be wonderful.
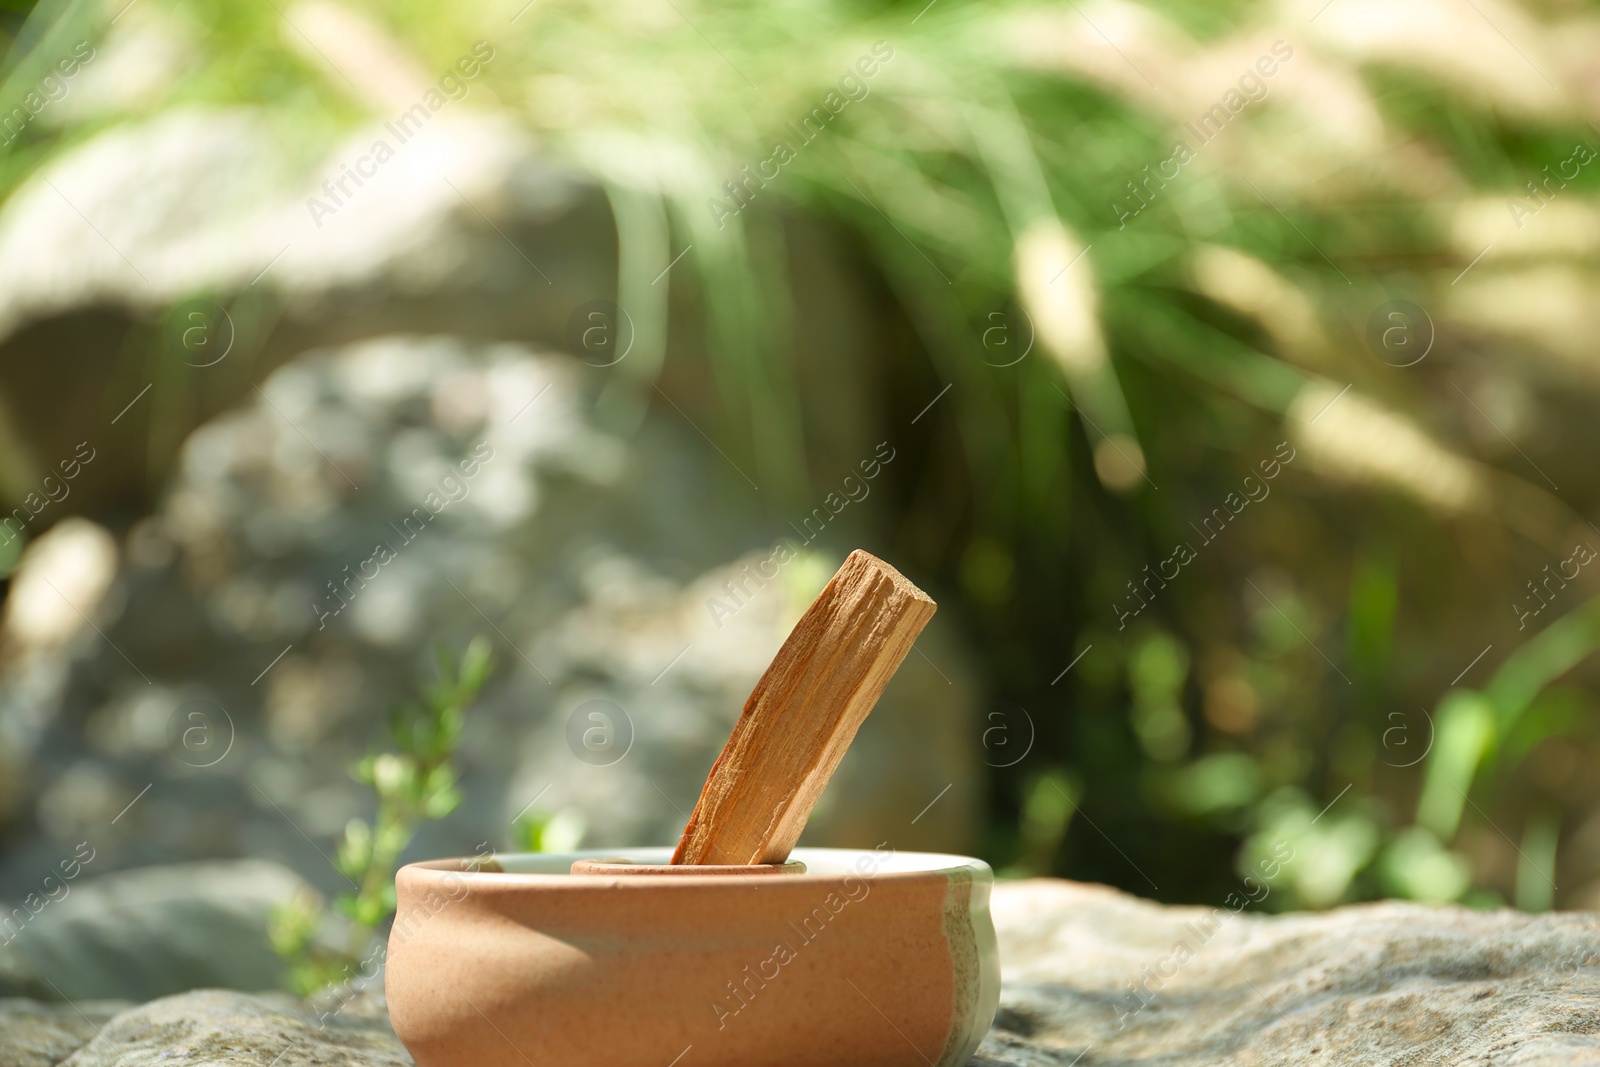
(476, 663)
(442, 803)
(370, 911)
(1415, 866)
(355, 850)
(444, 659)
(1465, 726)
(1545, 657)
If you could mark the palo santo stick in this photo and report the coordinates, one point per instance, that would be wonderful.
(803, 714)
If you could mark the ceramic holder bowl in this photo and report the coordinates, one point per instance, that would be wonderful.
(870, 957)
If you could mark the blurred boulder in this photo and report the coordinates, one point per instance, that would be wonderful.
(181, 252)
(372, 500)
(145, 933)
(172, 262)
(52, 594)
(65, 577)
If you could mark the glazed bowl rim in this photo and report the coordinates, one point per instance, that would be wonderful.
(823, 865)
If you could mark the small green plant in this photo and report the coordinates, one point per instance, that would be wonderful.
(413, 784)
(545, 831)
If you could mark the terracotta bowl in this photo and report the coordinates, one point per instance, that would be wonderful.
(869, 957)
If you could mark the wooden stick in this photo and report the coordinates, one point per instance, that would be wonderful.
(803, 714)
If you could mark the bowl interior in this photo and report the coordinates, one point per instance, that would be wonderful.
(819, 861)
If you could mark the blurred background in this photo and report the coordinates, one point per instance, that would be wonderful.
(1226, 372)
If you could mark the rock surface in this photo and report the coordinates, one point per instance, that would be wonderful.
(1362, 986)
(1095, 973)
(43, 1035)
(214, 1026)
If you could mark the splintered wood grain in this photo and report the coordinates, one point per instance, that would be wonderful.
(803, 714)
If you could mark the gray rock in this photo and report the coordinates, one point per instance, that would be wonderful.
(1384, 984)
(1360, 986)
(166, 233)
(105, 244)
(43, 1035)
(146, 933)
(469, 231)
(214, 1026)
